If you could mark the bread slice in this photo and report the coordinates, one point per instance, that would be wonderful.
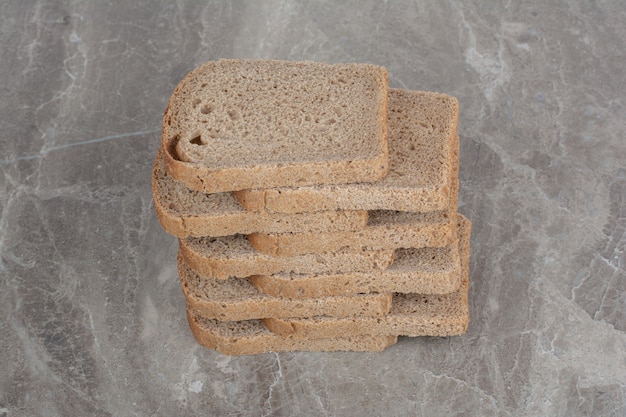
(235, 299)
(385, 230)
(233, 256)
(414, 270)
(411, 314)
(422, 139)
(183, 212)
(239, 124)
(251, 337)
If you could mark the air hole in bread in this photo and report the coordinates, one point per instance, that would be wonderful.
(196, 140)
(196, 102)
(233, 115)
(173, 141)
(206, 109)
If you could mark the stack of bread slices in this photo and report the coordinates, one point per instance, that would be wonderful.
(316, 209)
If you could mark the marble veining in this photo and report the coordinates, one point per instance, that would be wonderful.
(91, 312)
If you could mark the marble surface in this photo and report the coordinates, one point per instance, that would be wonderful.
(91, 312)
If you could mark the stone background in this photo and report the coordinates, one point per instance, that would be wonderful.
(91, 312)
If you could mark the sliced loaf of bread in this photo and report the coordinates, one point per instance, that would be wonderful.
(240, 124)
(422, 142)
(250, 337)
(183, 212)
(414, 270)
(411, 314)
(234, 256)
(236, 299)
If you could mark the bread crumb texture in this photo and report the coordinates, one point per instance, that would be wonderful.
(253, 112)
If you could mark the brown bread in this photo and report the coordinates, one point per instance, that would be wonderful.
(385, 230)
(183, 212)
(251, 337)
(236, 299)
(411, 314)
(240, 124)
(414, 270)
(422, 141)
(233, 256)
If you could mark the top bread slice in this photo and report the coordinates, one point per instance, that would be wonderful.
(183, 212)
(240, 124)
(423, 129)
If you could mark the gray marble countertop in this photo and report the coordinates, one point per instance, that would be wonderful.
(91, 311)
